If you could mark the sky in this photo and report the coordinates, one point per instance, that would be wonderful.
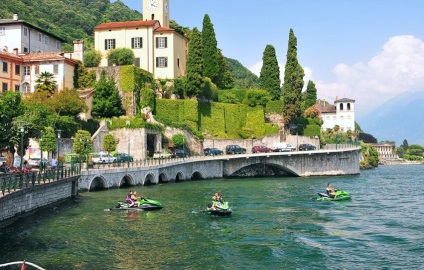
(366, 50)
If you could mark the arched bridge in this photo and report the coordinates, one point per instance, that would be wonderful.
(310, 163)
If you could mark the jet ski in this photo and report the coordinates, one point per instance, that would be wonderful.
(340, 196)
(218, 209)
(146, 204)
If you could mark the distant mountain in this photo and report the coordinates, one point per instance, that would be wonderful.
(397, 119)
(243, 77)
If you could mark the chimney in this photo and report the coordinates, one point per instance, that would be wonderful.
(15, 17)
(15, 51)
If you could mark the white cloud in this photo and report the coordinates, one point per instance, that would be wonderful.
(398, 68)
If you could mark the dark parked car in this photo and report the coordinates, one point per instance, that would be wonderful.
(179, 153)
(306, 147)
(261, 149)
(123, 157)
(212, 152)
(235, 149)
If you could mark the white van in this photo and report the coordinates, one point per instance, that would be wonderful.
(282, 147)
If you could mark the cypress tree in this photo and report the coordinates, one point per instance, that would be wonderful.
(211, 63)
(269, 78)
(310, 95)
(293, 83)
(194, 81)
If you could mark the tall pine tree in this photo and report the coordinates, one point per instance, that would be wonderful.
(106, 100)
(211, 63)
(269, 78)
(293, 83)
(194, 80)
(310, 97)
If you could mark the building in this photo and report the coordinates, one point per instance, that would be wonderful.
(19, 35)
(157, 48)
(385, 153)
(342, 113)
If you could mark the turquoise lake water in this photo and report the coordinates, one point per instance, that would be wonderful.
(276, 224)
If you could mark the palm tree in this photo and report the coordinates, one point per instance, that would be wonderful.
(46, 82)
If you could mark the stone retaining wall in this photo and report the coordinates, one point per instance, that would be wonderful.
(32, 198)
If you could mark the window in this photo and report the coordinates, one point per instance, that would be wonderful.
(57, 44)
(27, 70)
(46, 40)
(137, 43)
(25, 88)
(341, 118)
(17, 69)
(25, 49)
(25, 31)
(178, 62)
(4, 87)
(341, 106)
(40, 37)
(161, 42)
(55, 69)
(348, 106)
(137, 62)
(161, 62)
(37, 69)
(17, 88)
(2, 30)
(110, 44)
(4, 67)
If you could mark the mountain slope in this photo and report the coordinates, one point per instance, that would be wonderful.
(397, 119)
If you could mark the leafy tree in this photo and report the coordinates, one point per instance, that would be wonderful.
(211, 61)
(194, 65)
(229, 97)
(312, 112)
(67, 102)
(92, 58)
(257, 98)
(293, 82)
(179, 140)
(121, 56)
(106, 101)
(310, 95)
(269, 78)
(82, 143)
(48, 141)
(109, 143)
(45, 82)
(400, 152)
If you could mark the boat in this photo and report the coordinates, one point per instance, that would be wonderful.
(218, 209)
(146, 204)
(23, 265)
(340, 196)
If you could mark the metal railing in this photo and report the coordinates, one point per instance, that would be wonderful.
(10, 182)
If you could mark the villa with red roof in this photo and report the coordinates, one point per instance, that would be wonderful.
(157, 48)
(342, 113)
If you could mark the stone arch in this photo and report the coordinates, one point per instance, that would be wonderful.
(196, 176)
(127, 181)
(163, 178)
(149, 179)
(98, 183)
(263, 169)
(179, 177)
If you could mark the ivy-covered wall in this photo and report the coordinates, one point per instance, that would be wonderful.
(220, 120)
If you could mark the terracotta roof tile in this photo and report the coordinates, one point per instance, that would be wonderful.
(10, 55)
(164, 29)
(43, 56)
(125, 24)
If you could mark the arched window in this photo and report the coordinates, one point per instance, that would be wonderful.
(348, 106)
(25, 88)
(341, 106)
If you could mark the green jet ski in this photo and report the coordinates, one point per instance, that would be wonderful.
(146, 204)
(340, 196)
(218, 209)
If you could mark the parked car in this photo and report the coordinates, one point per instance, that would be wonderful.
(103, 158)
(234, 149)
(162, 155)
(212, 152)
(261, 149)
(282, 147)
(179, 153)
(306, 147)
(124, 157)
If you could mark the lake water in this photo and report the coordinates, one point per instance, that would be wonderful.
(275, 224)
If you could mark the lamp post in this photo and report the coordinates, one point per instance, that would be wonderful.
(22, 142)
(41, 165)
(129, 155)
(58, 151)
(183, 147)
(252, 143)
